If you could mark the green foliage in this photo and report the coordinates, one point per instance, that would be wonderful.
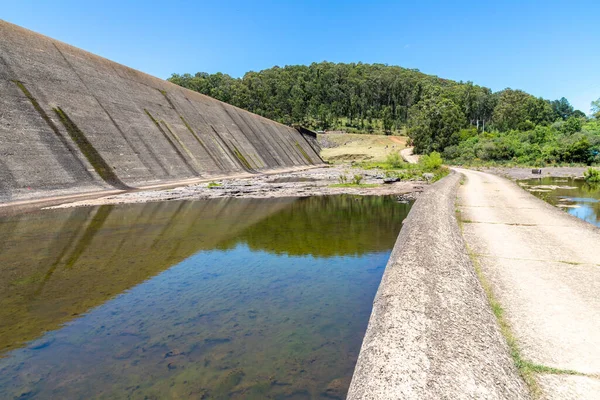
(465, 122)
(573, 141)
(431, 162)
(357, 179)
(214, 184)
(343, 179)
(592, 175)
(355, 96)
(434, 124)
(394, 160)
(595, 107)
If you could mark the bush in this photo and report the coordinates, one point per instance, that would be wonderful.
(431, 162)
(394, 160)
(592, 175)
(357, 179)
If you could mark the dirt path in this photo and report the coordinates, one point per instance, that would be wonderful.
(408, 156)
(543, 266)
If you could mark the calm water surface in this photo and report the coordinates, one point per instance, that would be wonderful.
(575, 196)
(219, 299)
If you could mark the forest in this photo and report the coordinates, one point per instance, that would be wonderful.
(467, 123)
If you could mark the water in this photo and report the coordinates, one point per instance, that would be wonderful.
(575, 196)
(227, 298)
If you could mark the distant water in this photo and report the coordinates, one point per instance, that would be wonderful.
(575, 196)
(219, 299)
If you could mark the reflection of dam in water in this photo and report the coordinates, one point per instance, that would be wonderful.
(232, 298)
(59, 264)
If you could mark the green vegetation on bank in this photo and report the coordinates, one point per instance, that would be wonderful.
(592, 175)
(430, 167)
(466, 123)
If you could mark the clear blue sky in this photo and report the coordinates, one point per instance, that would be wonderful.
(547, 48)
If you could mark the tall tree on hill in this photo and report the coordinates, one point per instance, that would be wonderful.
(562, 108)
(435, 124)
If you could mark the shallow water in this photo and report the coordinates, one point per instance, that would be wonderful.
(227, 298)
(575, 196)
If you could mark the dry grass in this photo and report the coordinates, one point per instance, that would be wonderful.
(357, 147)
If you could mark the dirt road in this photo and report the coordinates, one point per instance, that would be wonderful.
(408, 156)
(543, 266)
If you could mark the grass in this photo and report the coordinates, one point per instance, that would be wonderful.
(359, 148)
(405, 171)
(214, 184)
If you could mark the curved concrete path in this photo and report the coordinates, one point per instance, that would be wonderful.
(544, 269)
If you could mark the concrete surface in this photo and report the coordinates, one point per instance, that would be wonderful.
(432, 334)
(544, 268)
(73, 122)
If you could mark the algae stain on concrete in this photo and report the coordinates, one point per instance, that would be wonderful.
(306, 157)
(173, 145)
(89, 151)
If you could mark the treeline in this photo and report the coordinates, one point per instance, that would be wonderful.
(466, 122)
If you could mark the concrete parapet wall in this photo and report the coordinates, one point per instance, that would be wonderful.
(71, 121)
(432, 334)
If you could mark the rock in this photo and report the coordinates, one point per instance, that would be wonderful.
(391, 180)
(336, 389)
(428, 176)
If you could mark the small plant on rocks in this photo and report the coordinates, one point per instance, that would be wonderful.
(357, 179)
(592, 175)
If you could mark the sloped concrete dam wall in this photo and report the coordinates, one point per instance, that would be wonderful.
(71, 121)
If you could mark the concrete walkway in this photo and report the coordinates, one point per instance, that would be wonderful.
(544, 268)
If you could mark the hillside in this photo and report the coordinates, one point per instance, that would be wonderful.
(466, 122)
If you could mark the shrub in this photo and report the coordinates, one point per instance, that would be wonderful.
(431, 162)
(394, 160)
(357, 179)
(592, 175)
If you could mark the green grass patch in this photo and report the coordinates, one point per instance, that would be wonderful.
(214, 184)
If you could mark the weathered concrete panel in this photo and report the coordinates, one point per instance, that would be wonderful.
(432, 334)
(71, 121)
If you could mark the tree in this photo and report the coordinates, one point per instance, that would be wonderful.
(434, 125)
(562, 108)
(596, 108)
(512, 110)
(388, 119)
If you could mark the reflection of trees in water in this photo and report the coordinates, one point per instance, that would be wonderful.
(61, 263)
(328, 226)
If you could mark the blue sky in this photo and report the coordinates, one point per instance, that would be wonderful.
(547, 48)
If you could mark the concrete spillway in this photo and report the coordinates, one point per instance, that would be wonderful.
(71, 122)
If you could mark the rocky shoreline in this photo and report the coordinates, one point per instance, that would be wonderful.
(314, 182)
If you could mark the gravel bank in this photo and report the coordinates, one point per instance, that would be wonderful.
(313, 182)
